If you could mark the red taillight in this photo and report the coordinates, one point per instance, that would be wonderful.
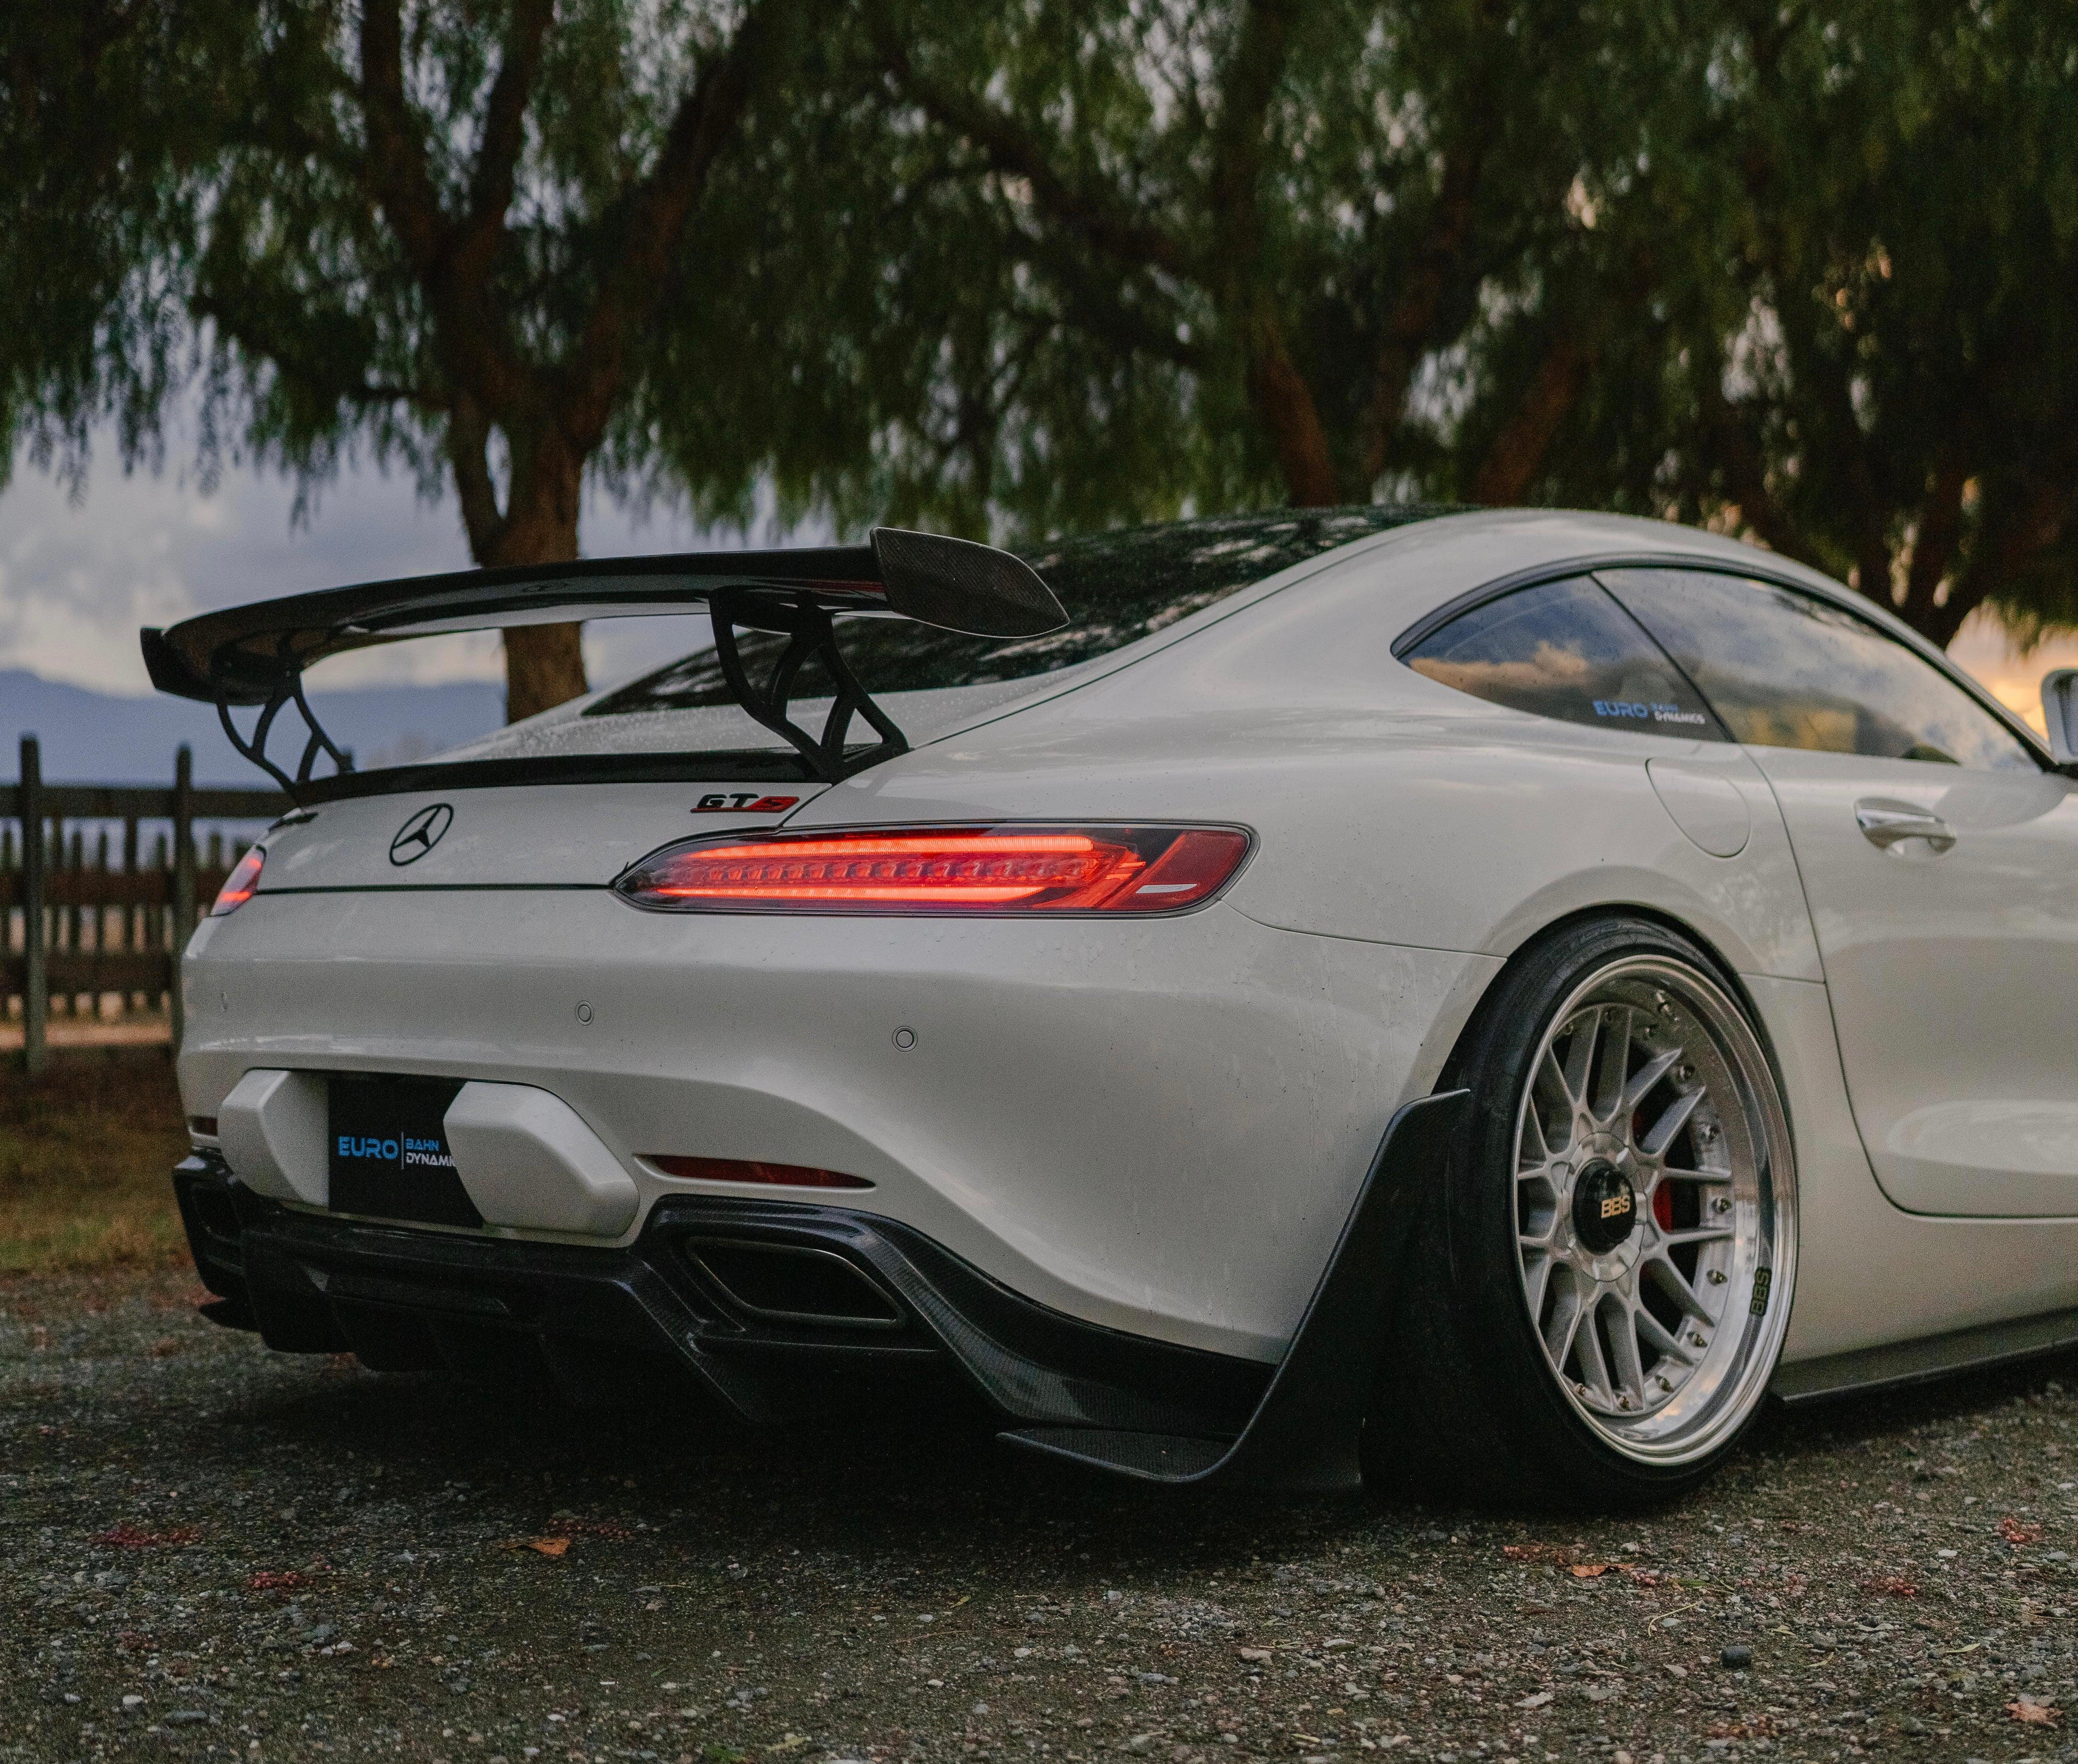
(732, 1169)
(239, 884)
(943, 869)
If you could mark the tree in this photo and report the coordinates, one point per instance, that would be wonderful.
(1803, 272)
(87, 190)
(1861, 342)
(1273, 220)
(459, 233)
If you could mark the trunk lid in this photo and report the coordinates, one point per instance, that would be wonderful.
(532, 835)
(584, 799)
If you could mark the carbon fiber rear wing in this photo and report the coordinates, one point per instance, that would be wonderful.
(256, 654)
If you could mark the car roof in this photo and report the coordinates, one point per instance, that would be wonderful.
(1412, 578)
(1435, 560)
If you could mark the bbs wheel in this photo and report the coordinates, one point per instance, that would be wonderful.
(1597, 1296)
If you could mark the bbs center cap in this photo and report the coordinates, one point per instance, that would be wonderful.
(1605, 1207)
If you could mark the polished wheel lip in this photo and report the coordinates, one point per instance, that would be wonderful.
(1672, 1066)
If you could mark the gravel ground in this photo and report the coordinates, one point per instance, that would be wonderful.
(207, 1549)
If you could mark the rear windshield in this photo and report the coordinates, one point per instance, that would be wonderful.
(1117, 587)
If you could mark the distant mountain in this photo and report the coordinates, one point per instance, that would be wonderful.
(101, 738)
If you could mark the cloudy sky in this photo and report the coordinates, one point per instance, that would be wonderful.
(78, 576)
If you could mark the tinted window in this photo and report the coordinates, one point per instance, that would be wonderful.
(1785, 669)
(1565, 649)
(1115, 587)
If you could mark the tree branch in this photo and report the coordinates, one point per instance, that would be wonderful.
(1109, 224)
(1410, 325)
(396, 167)
(1866, 502)
(2021, 520)
(1090, 304)
(1739, 459)
(504, 134)
(468, 451)
(1253, 76)
(1277, 390)
(657, 210)
(472, 337)
(1283, 400)
(1791, 294)
(1517, 453)
(1939, 530)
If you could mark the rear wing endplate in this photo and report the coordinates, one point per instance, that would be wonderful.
(256, 654)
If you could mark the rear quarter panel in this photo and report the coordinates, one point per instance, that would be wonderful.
(1386, 807)
(1390, 809)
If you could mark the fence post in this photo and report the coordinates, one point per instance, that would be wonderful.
(35, 992)
(133, 915)
(184, 886)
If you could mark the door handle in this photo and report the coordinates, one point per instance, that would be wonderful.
(1885, 824)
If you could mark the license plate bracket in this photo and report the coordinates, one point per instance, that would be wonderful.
(386, 1146)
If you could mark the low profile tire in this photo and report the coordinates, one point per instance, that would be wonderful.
(1595, 1295)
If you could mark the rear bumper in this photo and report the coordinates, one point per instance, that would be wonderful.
(779, 1310)
(1157, 1128)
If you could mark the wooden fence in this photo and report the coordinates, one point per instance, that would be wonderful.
(84, 933)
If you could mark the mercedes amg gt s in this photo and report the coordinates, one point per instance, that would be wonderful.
(1467, 1000)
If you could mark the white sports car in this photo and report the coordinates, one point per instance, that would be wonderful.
(1481, 998)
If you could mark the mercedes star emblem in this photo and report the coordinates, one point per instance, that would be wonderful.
(420, 834)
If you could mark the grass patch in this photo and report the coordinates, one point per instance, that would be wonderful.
(85, 1153)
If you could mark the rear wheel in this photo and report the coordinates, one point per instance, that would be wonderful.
(1596, 1297)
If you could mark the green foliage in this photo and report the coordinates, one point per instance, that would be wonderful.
(90, 154)
(463, 244)
(1805, 272)
(1855, 335)
(1207, 255)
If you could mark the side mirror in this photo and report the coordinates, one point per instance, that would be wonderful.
(2060, 712)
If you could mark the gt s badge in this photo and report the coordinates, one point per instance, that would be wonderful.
(742, 803)
(421, 833)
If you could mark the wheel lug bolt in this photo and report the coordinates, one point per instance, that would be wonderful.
(1720, 1205)
(1717, 1277)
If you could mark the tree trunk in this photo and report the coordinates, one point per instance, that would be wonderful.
(1283, 403)
(544, 664)
(1518, 452)
(543, 668)
(2020, 521)
(1410, 327)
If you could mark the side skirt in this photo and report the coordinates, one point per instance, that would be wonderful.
(1920, 1362)
(1303, 1435)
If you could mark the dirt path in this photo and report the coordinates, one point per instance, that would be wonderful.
(207, 1549)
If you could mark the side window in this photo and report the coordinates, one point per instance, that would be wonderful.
(1786, 669)
(1565, 649)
